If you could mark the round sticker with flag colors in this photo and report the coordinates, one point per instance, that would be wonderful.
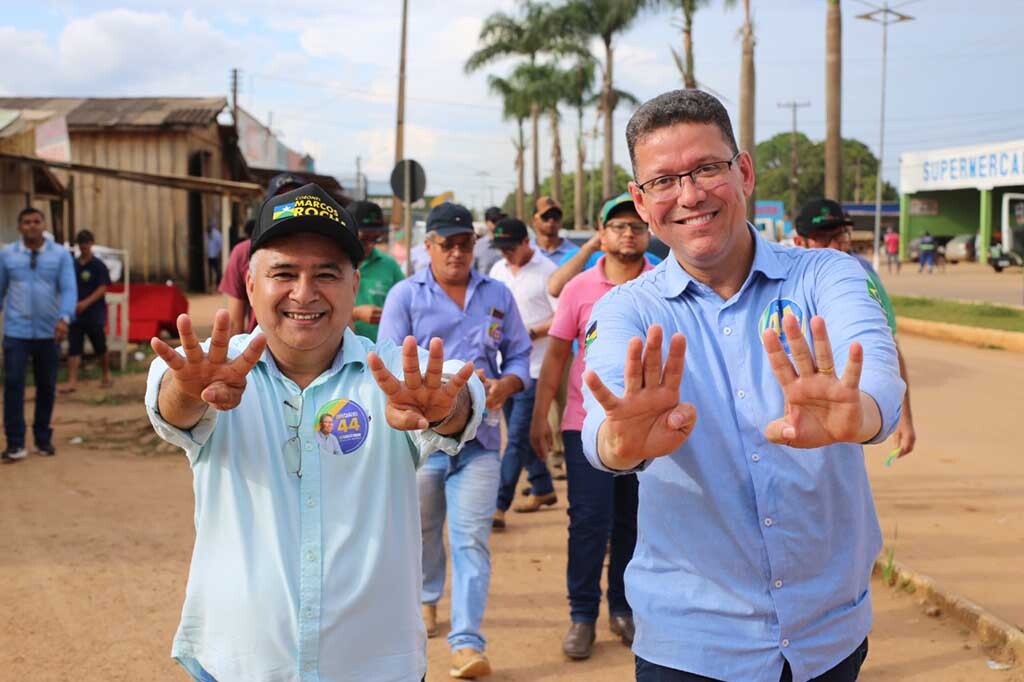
(771, 318)
(349, 423)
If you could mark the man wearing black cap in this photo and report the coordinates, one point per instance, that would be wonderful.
(306, 562)
(822, 224)
(477, 319)
(233, 282)
(484, 257)
(525, 273)
(377, 273)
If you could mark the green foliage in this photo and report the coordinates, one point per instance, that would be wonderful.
(772, 159)
(591, 187)
(954, 312)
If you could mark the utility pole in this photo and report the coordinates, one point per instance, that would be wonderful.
(234, 97)
(794, 158)
(857, 184)
(396, 204)
(882, 15)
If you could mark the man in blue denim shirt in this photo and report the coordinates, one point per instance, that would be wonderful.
(476, 317)
(757, 530)
(37, 285)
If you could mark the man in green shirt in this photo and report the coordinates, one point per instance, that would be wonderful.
(378, 271)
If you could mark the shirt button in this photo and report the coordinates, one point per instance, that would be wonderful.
(309, 446)
(778, 584)
(768, 521)
(785, 643)
(741, 393)
(756, 457)
(309, 666)
(308, 612)
(310, 502)
(311, 555)
(727, 331)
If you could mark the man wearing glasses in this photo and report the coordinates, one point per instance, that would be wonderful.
(378, 271)
(38, 288)
(547, 225)
(602, 507)
(822, 224)
(477, 319)
(306, 563)
(756, 527)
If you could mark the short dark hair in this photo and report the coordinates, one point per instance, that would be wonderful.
(250, 225)
(29, 211)
(84, 236)
(677, 106)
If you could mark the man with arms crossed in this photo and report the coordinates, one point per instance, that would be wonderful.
(306, 562)
(757, 530)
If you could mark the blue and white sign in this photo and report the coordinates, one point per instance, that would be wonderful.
(983, 166)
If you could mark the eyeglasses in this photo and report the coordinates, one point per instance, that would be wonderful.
(447, 245)
(551, 216)
(619, 227)
(372, 237)
(292, 447)
(704, 178)
(33, 259)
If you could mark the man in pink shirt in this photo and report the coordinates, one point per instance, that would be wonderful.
(892, 250)
(600, 505)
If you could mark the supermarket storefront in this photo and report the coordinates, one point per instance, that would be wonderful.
(978, 189)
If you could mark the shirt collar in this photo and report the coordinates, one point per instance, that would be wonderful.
(24, 249)
(372, 256)
(766, 261)
(351, 352)
(426, 277)
(599, 267)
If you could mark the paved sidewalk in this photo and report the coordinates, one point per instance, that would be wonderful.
(963, 281)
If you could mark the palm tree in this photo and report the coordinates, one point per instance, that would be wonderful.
(529, 35)
(603, 19)
(579, 83)
(833, 101)
(516, 106)
(747, 90)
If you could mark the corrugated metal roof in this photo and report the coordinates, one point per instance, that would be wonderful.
(124, 112)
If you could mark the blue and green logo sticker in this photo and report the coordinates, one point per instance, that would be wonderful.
(350, 423)
(771, 318)
(284, 211)
(873, 292)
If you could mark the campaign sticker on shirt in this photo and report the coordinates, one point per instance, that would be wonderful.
(771, 318)
(349, 423)
(591, 335)
(873, 293)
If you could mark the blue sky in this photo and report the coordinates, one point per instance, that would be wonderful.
(327, 70)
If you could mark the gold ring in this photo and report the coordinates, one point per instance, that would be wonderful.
(827, 370)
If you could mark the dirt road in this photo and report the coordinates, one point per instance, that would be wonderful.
(963, 281)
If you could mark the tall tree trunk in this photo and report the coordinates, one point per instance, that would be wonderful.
(577, 185)
(520, 175)
(556, 156)
(747, 90)
(608, 109)
(689, 80)
(833, 102)
(535, 125)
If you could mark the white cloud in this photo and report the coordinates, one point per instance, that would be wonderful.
(26, 57)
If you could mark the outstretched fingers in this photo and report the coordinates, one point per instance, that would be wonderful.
(854, 365)
(384, 378)
(173, 359)
(189, 341)
(244, 363)
(219, 338)
(652, 356)
(672, 376)
(458, 380)
(411, 363)
(777, 358)
(435, 364)
(798, 347)
(608, 400)
(823, 358)
(780, 431)
(633, 376)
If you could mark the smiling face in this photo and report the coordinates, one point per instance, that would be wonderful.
(326, 424)
(302, 289)
(706, 229)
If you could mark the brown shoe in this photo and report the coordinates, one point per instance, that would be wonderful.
(623, 627)
(579, 641)
(498, 520)
(430, 619)
(469, 663)
(534, 502)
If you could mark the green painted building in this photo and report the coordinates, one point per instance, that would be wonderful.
(977, 189)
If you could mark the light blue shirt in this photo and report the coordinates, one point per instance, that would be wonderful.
(556, 255)
(596, 256)
(488, 324)
(747, 551)
(36, 298)
(312, 578)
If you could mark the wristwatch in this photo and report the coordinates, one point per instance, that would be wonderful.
(533, 334)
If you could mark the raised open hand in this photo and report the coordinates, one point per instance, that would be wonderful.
(821, 408)
(210, 377)
(418, 399)
(648, 420)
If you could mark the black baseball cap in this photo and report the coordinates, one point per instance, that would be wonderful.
(450, 219)
(494, 214)
(307, 209)
(284, 182)
(368, 216)
(821, 215)
(508, 233)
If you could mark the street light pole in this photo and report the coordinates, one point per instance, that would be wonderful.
(883, 15)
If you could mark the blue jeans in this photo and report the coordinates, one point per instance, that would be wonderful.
(43, 354)
(519, 453)
(847, 670)
(927, 258)
(600, 506)
(464, 486)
